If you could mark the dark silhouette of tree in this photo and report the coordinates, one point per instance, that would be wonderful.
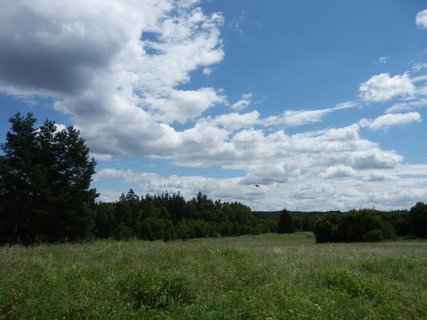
(45, 177)
(418, 219)
(285, 224)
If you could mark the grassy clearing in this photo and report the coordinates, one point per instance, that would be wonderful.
(252, 277)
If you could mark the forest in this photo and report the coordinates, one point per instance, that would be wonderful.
(46, 196)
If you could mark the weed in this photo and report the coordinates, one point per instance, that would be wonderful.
(154, 290)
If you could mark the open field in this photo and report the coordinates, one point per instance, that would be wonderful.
(251, 277)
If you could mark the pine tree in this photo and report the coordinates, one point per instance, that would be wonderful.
(285, 222)
(45, 177)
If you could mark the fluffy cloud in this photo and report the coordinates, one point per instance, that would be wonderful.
(421, 19)
(339, 172)
(386, 121)
(121, 70)
(378, 177)
(115, 66)
(235, 121)
(382, 87)
(375, 159)
(297, 194)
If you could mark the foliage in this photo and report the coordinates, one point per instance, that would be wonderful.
(45, 177)
(356, 225)
(168, 217)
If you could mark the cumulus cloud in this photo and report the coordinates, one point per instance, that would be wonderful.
(299, 194)
(375, 159)
(115, 66)
(421, 19)
(122, 69)
(268, 174)
(378, 177)
(386, 121)
(338, 172)
(382, 87)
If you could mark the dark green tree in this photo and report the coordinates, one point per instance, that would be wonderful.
(418, 219)
(45, 177)
(285, 224)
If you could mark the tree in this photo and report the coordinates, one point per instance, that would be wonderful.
(285, 224)
(326, 228)
(45, 177)
(418, 219)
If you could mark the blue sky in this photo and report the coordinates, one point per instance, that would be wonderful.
(321, 104)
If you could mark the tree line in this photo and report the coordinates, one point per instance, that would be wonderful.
(169, 216)
(357, 225)
(46, 196)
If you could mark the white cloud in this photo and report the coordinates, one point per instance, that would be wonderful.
(375, 159)
(298, 194)
(339, 171)
(386, 121)
(407, 106)
(88, 56)
(413, 169)
(421, 19)
(294, 118)
(119, 69)
(419, 79)
(207, 71)
(236, 121)
(181, 106)
(381, 60)
(378, 177)
(382, 87)
(417, 67)
(245, 101)
(298, 118)
(267, 174)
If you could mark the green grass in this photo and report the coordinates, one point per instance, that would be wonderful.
(251, 277)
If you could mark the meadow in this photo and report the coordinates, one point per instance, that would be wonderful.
(268, 276)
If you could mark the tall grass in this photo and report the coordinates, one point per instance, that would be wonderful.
(252, 277)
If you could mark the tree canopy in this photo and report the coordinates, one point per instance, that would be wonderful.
(45, 177)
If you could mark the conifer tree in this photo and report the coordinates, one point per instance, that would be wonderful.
(45, 177)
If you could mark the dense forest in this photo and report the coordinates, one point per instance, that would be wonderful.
(45, 196)
(170, 217)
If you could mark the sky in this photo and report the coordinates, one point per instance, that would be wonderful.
(304, 105)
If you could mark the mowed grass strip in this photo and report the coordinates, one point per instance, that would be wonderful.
(251, 277)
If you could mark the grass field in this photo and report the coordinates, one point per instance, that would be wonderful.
(251, 277)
